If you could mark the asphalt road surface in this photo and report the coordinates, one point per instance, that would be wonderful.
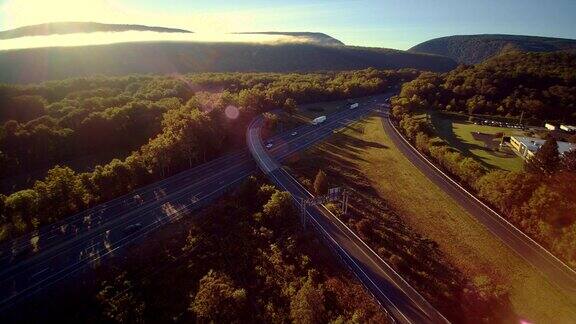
(55, 252)
(401, 301)
(551, 267)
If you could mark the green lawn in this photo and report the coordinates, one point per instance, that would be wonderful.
(477, 141)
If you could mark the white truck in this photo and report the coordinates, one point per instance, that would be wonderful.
(354, 105)
(318, 120)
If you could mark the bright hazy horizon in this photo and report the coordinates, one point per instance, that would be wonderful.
(102, 38)
(384, 23)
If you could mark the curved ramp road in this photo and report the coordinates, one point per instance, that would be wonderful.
(553, 268)
(402, 301)
(53, 253)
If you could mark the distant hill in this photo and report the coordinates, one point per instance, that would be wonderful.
(80, 27)
(317, 38)
(40, 64)
(472, 49)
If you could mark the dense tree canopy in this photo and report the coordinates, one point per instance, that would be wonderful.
(218, 299)
(540, 86)
(546, 160)
(169, 124)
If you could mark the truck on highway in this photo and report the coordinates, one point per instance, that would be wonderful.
(318, 120)
(354, 105)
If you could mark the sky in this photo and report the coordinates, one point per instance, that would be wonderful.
(397, 24)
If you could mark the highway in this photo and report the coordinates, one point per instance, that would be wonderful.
(551, 267)
(38, 260)
(402, 302)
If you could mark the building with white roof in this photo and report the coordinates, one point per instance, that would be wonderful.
(550, 126)
(526, 147)
(568, 128)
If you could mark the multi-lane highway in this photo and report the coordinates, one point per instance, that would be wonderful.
(554, 269)
(401, 300)
(40, 259)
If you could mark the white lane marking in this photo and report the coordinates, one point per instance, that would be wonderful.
(39, 272)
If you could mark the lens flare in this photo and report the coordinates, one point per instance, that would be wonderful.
(231, 112)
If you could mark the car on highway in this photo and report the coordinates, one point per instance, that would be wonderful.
(318, 120)
(132, 228)
(269, 145)
(294, 134)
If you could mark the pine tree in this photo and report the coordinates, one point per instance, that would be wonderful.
(321, 183)
(546, 160)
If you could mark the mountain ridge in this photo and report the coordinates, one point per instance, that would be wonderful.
(473, 49)
(62, 28)
(42, 64)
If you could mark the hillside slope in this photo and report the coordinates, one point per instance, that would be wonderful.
(80, 27)
(472, 49)
(34, 65)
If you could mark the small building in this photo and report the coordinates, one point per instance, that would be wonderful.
(568, 128)
(526, 147)
(550, 126)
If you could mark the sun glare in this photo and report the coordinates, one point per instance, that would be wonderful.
(101, 38)
(19, 13)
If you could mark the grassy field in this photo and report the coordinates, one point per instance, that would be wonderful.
(426, 209)
(477, 141)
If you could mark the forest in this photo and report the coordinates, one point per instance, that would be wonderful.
(244, 259)
(541, 199)
(540, 85)
(167, 123)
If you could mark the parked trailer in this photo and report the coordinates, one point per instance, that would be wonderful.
(354, 105)
(318, 120)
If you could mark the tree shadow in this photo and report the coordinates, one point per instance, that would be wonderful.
(419, 260)
(444, 127)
